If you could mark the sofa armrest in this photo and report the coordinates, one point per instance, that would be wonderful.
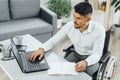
(49, 16)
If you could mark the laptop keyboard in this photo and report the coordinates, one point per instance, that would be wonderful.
(30, 66)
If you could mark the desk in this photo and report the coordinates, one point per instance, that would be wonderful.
(13, 70)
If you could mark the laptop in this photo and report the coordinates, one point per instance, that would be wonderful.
(21, 56)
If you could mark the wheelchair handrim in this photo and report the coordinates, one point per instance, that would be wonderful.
(111, 69)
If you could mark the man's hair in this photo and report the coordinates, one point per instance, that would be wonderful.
(83, 8)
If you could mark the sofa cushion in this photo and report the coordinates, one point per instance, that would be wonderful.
(33, 26)
(24, 8)
(4, 10)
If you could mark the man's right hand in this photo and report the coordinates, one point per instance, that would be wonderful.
(39, 52)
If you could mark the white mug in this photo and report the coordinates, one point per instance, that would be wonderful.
(18, 40)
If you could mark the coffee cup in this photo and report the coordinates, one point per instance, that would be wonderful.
(18, 40)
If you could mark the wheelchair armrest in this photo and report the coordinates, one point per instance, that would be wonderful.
(105, 57)
(68, 48)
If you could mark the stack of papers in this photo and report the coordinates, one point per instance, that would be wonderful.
(62, 68)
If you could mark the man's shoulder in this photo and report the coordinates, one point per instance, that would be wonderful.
(69, 25)
(98, 26)
(96, 23)
(98, 29)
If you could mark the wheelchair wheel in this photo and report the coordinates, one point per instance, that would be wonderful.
(101, 70)
(107, 70)
(110, 70)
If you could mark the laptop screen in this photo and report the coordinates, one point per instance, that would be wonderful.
(24, 65)
(15, 51)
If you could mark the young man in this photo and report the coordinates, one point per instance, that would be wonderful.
(86, 36)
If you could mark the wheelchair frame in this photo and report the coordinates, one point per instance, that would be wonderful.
(107, 70)
(108, 63)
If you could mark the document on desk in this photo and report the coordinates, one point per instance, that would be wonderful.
(62, 68)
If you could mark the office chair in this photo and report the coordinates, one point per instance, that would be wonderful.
(108, 63)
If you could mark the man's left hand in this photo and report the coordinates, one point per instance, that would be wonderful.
(81, 66)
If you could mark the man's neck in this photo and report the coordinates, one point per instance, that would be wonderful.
(82, 29)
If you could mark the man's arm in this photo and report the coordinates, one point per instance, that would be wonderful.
(97, 49)
(59, 36)
(49, 44)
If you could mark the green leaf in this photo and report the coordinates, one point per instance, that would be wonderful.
(114, 1)
(118, 8)
(117, 4)
(61, 7)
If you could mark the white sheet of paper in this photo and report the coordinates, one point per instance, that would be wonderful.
(61, 68)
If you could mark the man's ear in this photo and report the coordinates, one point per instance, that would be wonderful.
(89, 18)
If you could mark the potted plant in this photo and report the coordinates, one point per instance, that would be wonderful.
(116, 27)
(61, 7)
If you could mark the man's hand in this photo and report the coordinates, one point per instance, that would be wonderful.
(81, 66)
(39, 52)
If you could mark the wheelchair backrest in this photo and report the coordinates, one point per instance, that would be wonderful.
(106, 43)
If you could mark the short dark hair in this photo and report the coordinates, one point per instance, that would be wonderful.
(83, 8)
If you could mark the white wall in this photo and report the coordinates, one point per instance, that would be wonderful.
(114, 17)
(99, 17)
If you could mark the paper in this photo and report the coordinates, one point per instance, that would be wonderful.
(62, 68)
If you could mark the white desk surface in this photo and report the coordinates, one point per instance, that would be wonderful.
(12, 69)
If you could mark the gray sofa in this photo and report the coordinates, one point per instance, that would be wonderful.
(19, 17)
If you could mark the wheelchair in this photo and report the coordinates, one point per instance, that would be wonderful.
(108, 63)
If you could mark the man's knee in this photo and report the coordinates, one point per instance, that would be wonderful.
(92, 69)
(72, 58)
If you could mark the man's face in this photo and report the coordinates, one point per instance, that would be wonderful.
(79, 20)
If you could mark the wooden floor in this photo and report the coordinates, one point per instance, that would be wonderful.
(3, 76)
(114, 47)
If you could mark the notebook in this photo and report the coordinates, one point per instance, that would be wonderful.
(62, 68)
